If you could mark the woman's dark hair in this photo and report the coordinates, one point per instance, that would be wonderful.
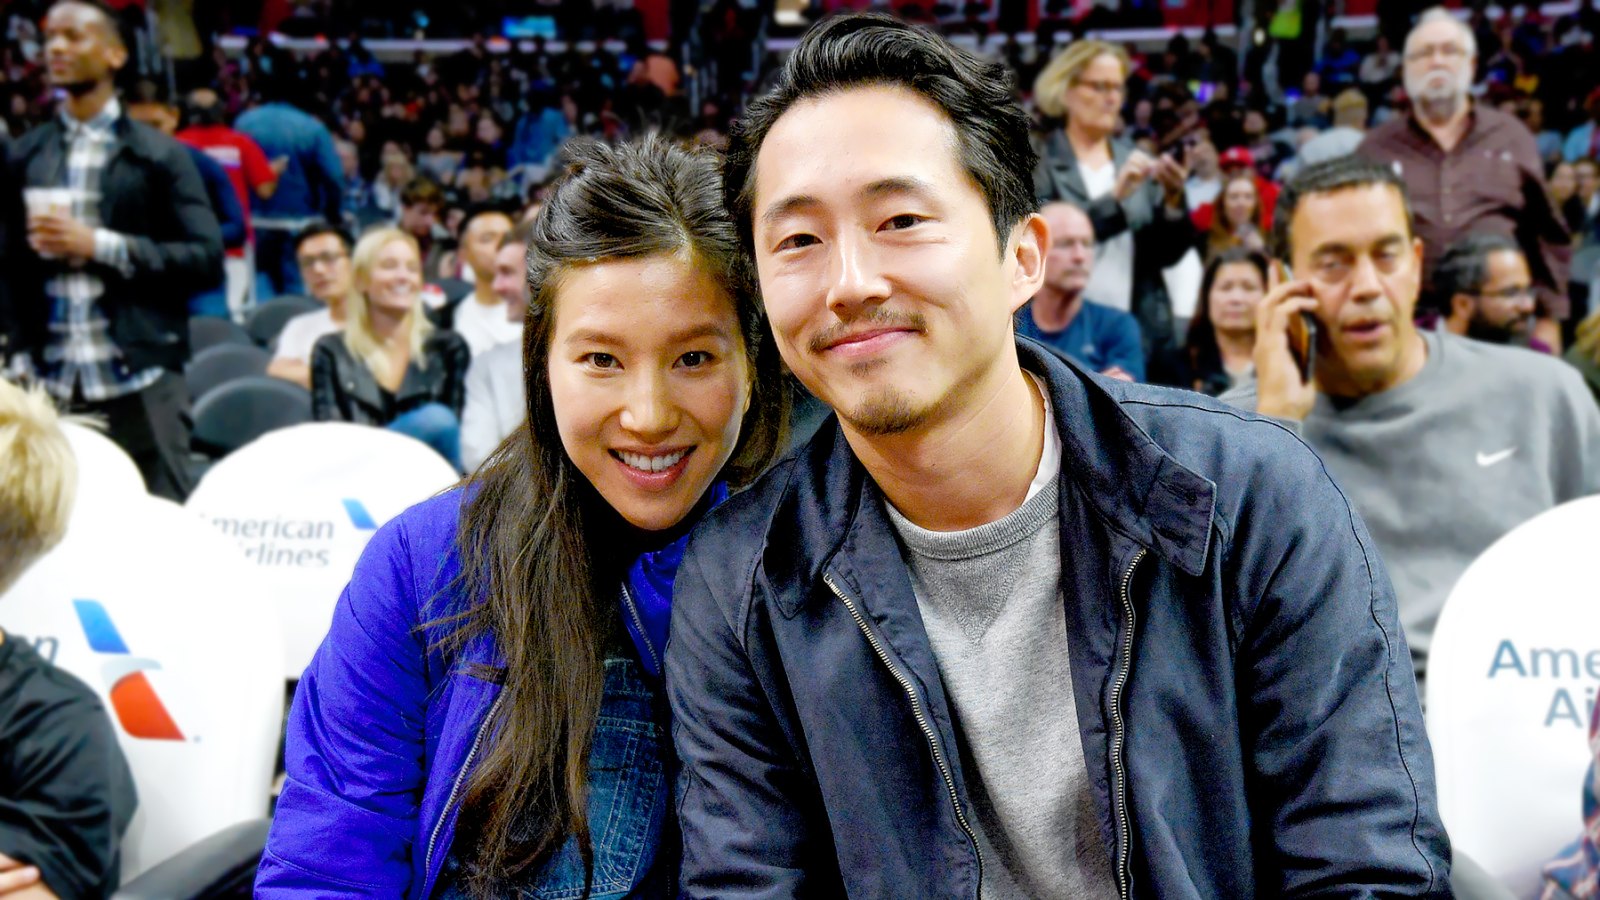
(866, 49)
(1200, 344)
(1220, 236)
(531, 569)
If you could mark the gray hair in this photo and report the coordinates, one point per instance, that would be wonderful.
(1440, 14)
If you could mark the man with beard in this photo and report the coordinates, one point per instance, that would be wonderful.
(1095, 336)
(119, 235)
(1442, 444)
(1486, 291)
(1471, 168)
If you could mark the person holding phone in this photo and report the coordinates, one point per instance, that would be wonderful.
(1491, 436)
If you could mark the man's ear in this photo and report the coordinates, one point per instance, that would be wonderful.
(1030, 242)
(1461, 308)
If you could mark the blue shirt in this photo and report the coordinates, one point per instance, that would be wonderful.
(224, 202)
(1098, 337)
(312, 185)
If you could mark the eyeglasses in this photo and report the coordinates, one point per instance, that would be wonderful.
(1511, 294)
(1446, 51)
(1103, 88)
(320, 259)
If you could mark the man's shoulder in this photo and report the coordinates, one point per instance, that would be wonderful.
(1381, 139)
(28, 682)
(1533, 375)
(737, 533)
(1107, 317)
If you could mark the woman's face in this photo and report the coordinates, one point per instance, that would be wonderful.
(649, 382)
(1239, 203)
(396, 278)
(488, 131)
(1094, 99)
(1234, 295)
(436, 139)
(1563, 182)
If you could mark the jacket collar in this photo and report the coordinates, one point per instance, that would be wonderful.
(1137, 487)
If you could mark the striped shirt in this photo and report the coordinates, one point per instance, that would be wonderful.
(80, 352)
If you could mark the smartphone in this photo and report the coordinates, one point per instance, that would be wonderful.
(1302, 333)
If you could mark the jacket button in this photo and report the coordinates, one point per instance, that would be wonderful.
(1191, 498)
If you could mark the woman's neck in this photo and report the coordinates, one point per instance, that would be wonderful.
(1089, 145)
(389, 326)
(1237, 349)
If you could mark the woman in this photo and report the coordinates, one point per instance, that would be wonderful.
(389, 367)
(1562, 186)
(1136, 201)
(1222, 335)
(1585, 353)
(1236, 221)
(486, 717)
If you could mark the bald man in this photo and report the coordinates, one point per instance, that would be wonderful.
(1095, 336)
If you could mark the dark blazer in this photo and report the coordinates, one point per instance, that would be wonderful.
(344, 390)
(1160, 236)
(1249, 717)
(151, 192)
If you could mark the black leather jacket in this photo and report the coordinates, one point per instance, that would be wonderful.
(343, 389)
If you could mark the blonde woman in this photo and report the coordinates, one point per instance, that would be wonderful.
(389, 367)
(1134, 200)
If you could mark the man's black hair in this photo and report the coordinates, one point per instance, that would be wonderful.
(145, 91)
(1330, 176)
(115, 23)
(318, 229)
(868, 49)
(1464, 268)
(483, 209)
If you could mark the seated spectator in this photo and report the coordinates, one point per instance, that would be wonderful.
(1443, 444)
(1220, 349)
(1486, 291)
(439, 162)
(323, 252)
(1205, 174)
(1561, 183)
(421, 203)
(394, 175)
(1381, 68)
(66, 795)
(1099, 338)
(1239, 224)
(389, 367)
(1585, 352)
(495, 396)
(480, 317)
(1583, 142)
(1313, 108)
(1234, 161)
(1349, 127)
(1587, 174)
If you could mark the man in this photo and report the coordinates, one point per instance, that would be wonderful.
(1486, 291)
(310, 186)
(147, 104)
(1442, 444)
(66, 796)
(1001, 626)
(480, 317)
(1469, 167)
(103, 271)
(496, 397)
(1349, 127)
(421, 202)
(249, 174)
(1098, 337)
(323, 252)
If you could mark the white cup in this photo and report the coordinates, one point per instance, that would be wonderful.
(42, 201)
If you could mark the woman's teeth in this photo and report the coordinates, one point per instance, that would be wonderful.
(651, 463)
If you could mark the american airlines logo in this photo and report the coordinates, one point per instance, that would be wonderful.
(139, 710)
(288, 541)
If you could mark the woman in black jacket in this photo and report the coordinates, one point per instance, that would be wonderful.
(389, 367)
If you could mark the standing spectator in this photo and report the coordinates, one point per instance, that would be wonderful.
(323, 252)
(480, 317)
(102, 274)
(1486, 292)
(66, 795)
(1237, 222)
(1495, 435)
(1349, 127)
(251, 176)
(496, 399)
(389, 367)
(1470, 167)
(1136, 202)
(421, 203)
(1220, 348)
(310, 182)
(1099, 338)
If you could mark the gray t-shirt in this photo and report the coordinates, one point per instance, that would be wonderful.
(1483, 439)
(991, 602)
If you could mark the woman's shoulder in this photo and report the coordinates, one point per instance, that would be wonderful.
(410, 559)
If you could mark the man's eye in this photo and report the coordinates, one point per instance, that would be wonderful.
(796, 241)
(903, 221)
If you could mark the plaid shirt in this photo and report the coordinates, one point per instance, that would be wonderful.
(80, 351)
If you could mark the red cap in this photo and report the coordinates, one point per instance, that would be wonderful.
(1236, 156)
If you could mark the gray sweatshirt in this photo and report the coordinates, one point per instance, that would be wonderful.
(1483, 439)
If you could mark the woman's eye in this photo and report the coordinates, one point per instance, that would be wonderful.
(903, 221)
(694, 359)
(796, 241)
(601, 360)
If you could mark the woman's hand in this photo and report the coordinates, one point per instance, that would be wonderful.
(1135, 172)
(1172, 175)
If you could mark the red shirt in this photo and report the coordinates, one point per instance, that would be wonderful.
(240, 157)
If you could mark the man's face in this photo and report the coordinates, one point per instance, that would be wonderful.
(158, 116)
(1365, 269)
(325, 267)
(511, 280)
(1587, 175)
(81, 47)
(418, 219)
(1503, 309)
(1071, 258)
(1437, 66)
(479, 241)
(878, 262)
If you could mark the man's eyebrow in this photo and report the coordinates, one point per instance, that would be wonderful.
(1339, 247)
(788, 206)
(881, 188)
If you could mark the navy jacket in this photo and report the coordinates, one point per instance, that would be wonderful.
(1244, 693)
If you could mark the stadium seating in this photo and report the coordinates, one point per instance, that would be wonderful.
(242, 410)
(266, 321)
(209, 331)
(216, 366)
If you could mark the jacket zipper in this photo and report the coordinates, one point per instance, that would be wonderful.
(638, 622)
(920, 714)
(1119, 732)
(466, 766)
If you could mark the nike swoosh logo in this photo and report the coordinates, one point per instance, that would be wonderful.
(1488, 459)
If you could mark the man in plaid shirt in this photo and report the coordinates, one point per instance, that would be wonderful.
(97, 306)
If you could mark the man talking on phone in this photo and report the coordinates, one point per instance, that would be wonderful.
(1443, 444)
